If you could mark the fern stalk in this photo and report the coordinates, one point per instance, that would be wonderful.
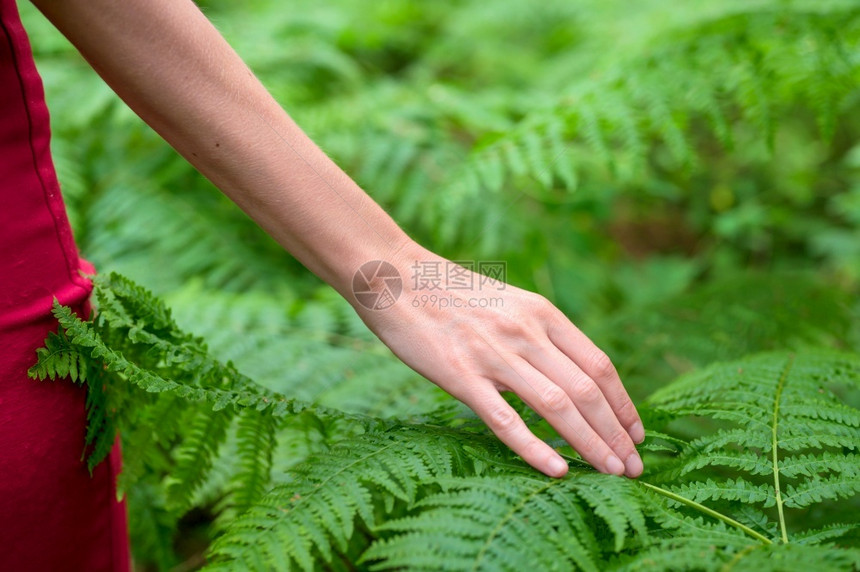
(710, 512)
(774, 425)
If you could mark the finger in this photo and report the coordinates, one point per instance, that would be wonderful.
(588, 398)
(557, 407)
(594, 363)
(512, 431)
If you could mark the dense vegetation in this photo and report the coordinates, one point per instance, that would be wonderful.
(682, 180)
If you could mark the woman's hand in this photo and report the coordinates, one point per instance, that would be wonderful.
(477, 341)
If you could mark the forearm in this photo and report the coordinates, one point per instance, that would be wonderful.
(172, 67)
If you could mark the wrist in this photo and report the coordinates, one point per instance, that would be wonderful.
(416, 280)
(380, 280)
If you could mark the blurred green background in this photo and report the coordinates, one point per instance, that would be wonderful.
(681, 179)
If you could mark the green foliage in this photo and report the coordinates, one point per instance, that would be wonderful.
(683, 180)
(813, 436)
(730, 316)
(162, 388)
(741, 116)
(318, 512)
(333, 359)
(781, 437)
(512, 522)
(58, 359)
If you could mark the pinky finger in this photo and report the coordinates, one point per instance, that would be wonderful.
(504, 421)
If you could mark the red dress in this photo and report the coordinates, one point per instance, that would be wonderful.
(53, 515)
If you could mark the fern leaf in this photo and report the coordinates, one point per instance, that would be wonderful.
(729, 489)
(194, 458)
(101, 422)
(512, 523)
(192, 359)
(57, 359)
(794, 557)
(829, 532)
(255, 435)
(314, 516)
(815, 490)
(804, 450)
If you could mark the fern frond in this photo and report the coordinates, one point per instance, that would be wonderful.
(829, 532)
(684, 542)
(101, 422)
(204, 379)
(846, 484)
(175, 403)
(694, 553)
(794, 557)
(194, 457)
(788, 452)
(255, 436)
(512, 523)
(729, 489)
(315, 515)
(58, 359)
(152, 529)
(138, 352)
(334, 360)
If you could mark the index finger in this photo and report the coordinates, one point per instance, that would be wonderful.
(597, 365)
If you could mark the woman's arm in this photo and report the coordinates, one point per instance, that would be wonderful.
(171, 66)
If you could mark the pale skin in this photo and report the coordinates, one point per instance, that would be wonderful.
(173, 68)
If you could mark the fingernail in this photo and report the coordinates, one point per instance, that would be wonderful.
(637, 432)
(614, 465)
(557, 466)
(634, 465)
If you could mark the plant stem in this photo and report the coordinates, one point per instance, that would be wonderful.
(710, 512)
(773, 448)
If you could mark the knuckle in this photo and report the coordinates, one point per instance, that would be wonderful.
(585, 390)
(533, 449)
(590, 447)
(620, 441)
(460, 364)
(601, 365)
(502, 419)
(512, 327)
(532, 307)
(465, 367)
(626, 410)
(555, 398)
(538, 300)
(541, 306)
(556, 321)
(531, 337)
